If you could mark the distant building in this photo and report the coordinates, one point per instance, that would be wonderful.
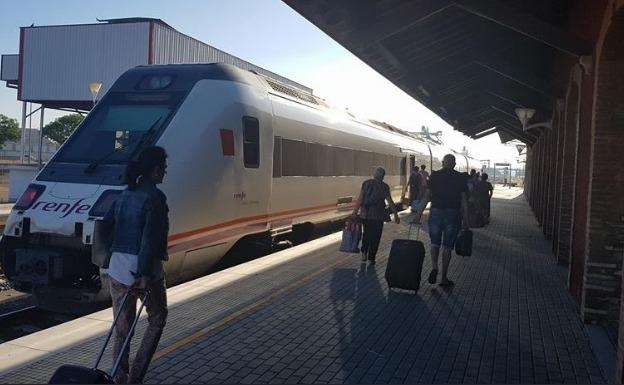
(11, 151)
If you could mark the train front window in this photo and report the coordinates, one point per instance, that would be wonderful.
(119, 125)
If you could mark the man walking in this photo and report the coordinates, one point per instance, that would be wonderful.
(424, 173)
(448, 193)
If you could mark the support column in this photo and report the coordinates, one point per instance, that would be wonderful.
(23, 136)
(41, 114)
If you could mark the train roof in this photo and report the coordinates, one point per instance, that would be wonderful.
(186, 75)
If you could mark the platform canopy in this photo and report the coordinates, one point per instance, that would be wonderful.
(472, 62)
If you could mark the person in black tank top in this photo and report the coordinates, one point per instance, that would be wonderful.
(448, 192)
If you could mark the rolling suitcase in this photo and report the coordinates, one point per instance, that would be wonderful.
(405, 263)
(74, 374)
(463, 244)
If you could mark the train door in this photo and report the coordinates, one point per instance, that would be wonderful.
(256, 168)
(404, 171)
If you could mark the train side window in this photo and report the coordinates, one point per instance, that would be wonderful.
(251, 142)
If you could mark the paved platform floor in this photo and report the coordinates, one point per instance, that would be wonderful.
(322, 317)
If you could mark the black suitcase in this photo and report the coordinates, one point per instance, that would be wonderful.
(463, 244)
(74, 374)
(405, 263)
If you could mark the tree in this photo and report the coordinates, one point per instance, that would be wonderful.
(9, 129)
(61, 128)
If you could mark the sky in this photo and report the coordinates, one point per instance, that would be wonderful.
(267, 33)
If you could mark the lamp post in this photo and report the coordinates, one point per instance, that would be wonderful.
(95, 88)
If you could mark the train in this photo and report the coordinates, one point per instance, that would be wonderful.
(249, 157)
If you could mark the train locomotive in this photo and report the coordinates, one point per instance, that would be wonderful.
(248, 157)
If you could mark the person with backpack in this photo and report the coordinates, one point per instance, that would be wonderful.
(139, 218)
(372, 209)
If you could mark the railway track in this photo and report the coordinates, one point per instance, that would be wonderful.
(26, 320)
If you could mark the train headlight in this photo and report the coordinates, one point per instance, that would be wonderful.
(29, 197)
(104, 202)
(155, 82)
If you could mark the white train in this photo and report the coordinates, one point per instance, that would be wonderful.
(248, 156)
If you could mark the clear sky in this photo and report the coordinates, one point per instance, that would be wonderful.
(265, 32)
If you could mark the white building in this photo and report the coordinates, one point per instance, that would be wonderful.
(11, 151)
(57, 64)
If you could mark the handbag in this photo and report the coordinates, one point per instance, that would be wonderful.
(351, 235)
(463, 244)
(102, 243)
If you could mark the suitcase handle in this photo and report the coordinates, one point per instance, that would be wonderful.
(130, 331)
(409, 232)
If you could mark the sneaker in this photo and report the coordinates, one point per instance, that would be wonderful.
(433, 276)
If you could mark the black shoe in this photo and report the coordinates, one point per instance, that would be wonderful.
(447, 282)
(433, 276)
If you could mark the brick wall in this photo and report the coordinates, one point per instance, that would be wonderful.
(603, 269)
(568, 173)
(528, 170)
(551, 185)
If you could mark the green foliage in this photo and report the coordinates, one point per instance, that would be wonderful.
(9, 129)
(60, 129)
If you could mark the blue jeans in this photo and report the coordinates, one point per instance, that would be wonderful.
(444, 225)
(415, 206)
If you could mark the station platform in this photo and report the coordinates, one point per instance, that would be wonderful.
(311, 314)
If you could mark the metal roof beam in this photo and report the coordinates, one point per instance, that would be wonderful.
(491, 95)
(525, 78)
(396, 20)
(503, 126)
(491, 115)
(523, 136)
(526, 25)
(484, 100)
(471, 127)
(478, 127)
(479, 113)
(485, 133)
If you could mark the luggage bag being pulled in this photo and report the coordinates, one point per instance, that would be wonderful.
(405, 263)
(75, 374)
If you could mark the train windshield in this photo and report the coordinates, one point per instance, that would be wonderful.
(120, 125)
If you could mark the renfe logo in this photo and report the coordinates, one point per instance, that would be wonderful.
(64, 208)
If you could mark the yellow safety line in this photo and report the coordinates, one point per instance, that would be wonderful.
(186, 340)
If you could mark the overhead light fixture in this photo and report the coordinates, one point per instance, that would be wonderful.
(95, 88)
(524, 115)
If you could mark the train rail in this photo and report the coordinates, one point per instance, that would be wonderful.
(28, 319)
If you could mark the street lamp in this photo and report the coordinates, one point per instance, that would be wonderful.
(95, 89)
